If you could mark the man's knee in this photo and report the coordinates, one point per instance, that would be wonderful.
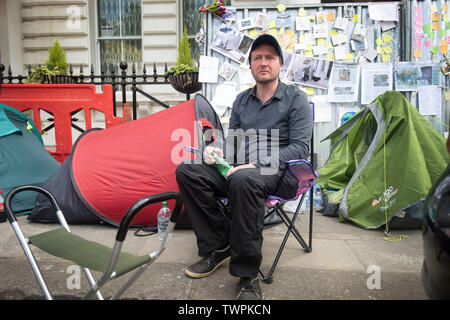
(184, 170)
(245, 178)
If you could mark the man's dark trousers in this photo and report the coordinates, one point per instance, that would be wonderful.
(246, 190)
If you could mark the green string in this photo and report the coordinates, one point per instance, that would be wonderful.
(429, 117)
(388, 236)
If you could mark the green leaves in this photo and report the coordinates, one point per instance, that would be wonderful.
(57, 58)
(182, 68)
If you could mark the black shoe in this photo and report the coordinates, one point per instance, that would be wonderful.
(249, 289)
(209, 263)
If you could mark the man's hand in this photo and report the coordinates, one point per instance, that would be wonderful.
(244, 166)
(207, 154)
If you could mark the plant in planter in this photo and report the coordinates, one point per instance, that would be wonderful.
(55, 68)
(183, 75)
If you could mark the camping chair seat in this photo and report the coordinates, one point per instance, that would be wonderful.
(112, 263)
(87, 254)
(306, 176)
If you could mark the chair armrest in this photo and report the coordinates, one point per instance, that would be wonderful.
(292, 163)
(15, 191)
(144, 202)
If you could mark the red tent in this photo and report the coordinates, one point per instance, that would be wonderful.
(109, 170)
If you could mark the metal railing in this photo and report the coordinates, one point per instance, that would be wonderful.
(122, 81)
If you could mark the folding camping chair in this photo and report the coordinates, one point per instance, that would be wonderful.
(304, 172)
(113, 263)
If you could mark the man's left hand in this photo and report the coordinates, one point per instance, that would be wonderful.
(244, 166)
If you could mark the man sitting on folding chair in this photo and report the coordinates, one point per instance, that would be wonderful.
(270, 124)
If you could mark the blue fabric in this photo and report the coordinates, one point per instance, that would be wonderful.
(6, 126)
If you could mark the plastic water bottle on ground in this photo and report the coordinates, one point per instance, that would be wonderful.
(163, 220)
(2, 208)
(317, 198)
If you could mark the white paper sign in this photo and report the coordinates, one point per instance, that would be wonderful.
(430, 100)
(322, 108)
(224, 97)
(320, 30)
(339, 53)
(245, 75)
(386, 11)
(344, 83)
(302, 23)
(376, 79)
(341, 23)
(209, 69)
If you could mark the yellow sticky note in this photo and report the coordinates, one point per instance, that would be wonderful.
(444, 17)
(433, 8)
(330, 56)
(302, 12)
(301, 38)
(290, 34)
(387, 38)
(386, 58)
(281, 31)
(349, 56)
(388, 50)
(417, 53)
(272, 24)
(309, 91)
(281, 7)
(329, 45)
(290, 50)
(333, 33)
(312, 18)
(321, 41)
(447, 95)
(309, 47)
(356, 18)
(309, 53)
(379, 50)
(330, 17)
(435, 16)
(379, 41)
(273, 31)
(253, 33)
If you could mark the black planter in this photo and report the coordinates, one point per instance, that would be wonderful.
(186, 82)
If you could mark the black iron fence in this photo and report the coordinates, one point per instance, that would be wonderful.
(122, 80)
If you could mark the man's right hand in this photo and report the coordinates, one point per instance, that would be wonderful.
(208, 158)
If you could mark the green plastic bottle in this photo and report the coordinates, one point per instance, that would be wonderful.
(221, 164)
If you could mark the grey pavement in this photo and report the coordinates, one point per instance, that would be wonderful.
(346, 262)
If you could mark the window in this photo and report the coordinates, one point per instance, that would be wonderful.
(192, 20)
(119, 32)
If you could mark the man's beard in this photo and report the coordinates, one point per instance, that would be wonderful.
(265, 79)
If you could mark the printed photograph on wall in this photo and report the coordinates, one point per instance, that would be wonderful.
(309, 71)
(232, 43)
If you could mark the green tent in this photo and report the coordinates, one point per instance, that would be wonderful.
(23, 157)
(382, 161)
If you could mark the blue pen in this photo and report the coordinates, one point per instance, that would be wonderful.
(192, 149)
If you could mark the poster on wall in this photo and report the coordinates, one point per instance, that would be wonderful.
(309, 71)
(232, 43)
(344, 83)
(410, 75)
(376, 79)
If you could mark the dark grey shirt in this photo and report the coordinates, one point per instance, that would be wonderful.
(270, 134)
